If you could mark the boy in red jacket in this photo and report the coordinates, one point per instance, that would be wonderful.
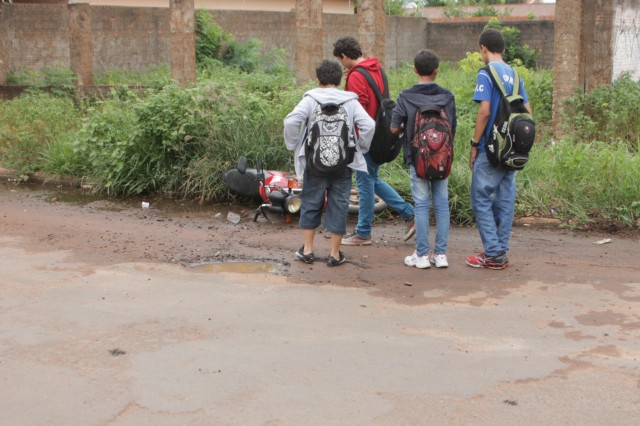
(348, 51)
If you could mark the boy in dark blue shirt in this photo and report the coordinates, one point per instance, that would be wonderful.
(426, 92)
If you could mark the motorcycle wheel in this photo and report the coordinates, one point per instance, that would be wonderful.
(378, 207)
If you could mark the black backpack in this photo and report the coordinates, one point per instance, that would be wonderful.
(432, 143)
(330, 145)
(385, 146)
(513, 131)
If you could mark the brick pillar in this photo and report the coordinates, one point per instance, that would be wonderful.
(4, 63)
(308, 51)
(183, 41)
(80, 43)
(567, 72)
(597, 45)
(583, 52)
(372, 21)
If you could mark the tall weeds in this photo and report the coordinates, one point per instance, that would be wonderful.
(30, 125)
(178, 141)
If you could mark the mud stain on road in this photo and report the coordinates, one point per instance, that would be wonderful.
(602, 318)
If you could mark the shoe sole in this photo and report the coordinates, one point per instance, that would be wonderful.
(473, 265)
(332, 264)
(302, 258)
(409, 234)
(413, 265)
(362, 243)
(496, 267)
(433, 262)
(486, 266)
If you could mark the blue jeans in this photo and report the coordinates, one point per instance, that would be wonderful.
(420, 188)
(493, 196)
(370, 185)
(337, 191)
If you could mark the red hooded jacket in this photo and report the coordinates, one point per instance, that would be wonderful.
(357, 84)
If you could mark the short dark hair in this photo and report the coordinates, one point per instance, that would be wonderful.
(426, 62)
(347, 46)
(493, 40)
(329, 73)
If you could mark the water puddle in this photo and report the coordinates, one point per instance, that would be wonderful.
(72, 197)
(236, 267)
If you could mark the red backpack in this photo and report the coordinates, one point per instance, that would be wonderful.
(432, 143)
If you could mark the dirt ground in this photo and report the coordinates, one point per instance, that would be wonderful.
(103, 231)
(169, 315)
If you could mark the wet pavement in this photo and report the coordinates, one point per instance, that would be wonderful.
(113, 314)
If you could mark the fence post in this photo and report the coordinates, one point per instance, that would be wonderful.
(183, 41)
(584, 50)
(371, 28)
(3, 48)
(80, 43)
(308, 50)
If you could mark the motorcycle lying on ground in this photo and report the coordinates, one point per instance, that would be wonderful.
(279, 192)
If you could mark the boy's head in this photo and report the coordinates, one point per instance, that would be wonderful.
(329, 73)
(426, 63)
(347, 46)
(492, 40)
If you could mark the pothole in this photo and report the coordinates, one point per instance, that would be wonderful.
(236, 267)
(239, 265)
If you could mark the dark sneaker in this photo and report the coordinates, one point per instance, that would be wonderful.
(332, 261)
(353, 239)
(490, 262)
(306, 258)
(410, 226)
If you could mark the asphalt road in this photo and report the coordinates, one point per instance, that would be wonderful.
(102, 322)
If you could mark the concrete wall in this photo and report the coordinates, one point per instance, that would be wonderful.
(404, 37)
(453, 39)
(626, 38)
(36, 36)
(328, 6)
(130, 38)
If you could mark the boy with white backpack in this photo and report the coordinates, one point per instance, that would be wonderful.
(321, 132)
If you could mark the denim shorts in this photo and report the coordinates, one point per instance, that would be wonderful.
(336, 192)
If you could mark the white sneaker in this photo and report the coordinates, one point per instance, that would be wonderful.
(440, 260)
(420, 262)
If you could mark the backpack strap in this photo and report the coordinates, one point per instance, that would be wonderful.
(367, 75)
(498, 81)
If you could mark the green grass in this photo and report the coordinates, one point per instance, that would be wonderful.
(178, 141)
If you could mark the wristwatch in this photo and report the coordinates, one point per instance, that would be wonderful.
(474, 144)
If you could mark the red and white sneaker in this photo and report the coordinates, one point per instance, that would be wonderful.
(490, 262)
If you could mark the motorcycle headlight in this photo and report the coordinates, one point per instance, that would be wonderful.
(293, 204)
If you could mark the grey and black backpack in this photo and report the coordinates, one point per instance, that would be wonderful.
(329, 146)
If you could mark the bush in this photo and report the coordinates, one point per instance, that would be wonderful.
(31, 123)
(57, 80)
(179, 141)
(608, 113)
(515, 50)
(213, 44)
(394, 7)
(153, 77)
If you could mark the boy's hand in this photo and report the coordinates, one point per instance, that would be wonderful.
(472, 157)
